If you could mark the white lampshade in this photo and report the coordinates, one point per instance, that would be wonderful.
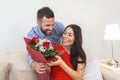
(112, 32)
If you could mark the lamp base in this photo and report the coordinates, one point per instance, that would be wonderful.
(112, 62)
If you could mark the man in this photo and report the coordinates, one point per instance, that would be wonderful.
(47, 28)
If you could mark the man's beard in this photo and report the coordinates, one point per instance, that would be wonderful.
(47, 32)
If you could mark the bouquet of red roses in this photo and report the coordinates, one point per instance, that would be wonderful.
(41, 50)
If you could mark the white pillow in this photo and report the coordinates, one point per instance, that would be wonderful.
(92, 71)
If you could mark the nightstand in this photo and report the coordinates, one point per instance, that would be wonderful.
(109, 72)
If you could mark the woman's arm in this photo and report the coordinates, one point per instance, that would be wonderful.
(75, 75)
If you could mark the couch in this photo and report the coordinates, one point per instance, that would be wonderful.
(13, 66)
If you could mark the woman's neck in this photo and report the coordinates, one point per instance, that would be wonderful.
(67, 48)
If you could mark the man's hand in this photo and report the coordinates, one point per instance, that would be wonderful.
(39, 67)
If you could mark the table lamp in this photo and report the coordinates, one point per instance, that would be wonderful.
(112, 33)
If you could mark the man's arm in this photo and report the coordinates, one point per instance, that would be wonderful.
(30, 35)
(38, 67)
(29, 59)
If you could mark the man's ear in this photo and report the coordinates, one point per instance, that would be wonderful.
(37, 21)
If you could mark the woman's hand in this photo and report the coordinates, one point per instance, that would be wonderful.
(59, 61)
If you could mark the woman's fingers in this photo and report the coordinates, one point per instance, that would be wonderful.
(57, 56)
(57, 62)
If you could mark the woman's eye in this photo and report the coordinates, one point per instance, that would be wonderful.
(70, 35)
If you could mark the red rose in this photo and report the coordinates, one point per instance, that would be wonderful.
(35, 39)
(46, 45)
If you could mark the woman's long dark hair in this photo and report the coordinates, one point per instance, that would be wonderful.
(77, 50)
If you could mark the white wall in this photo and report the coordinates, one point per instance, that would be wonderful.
(18, 16)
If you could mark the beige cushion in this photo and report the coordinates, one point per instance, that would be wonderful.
(23, 75)
(19, 60)
(5, 56)
(19, 69)
(4, 70)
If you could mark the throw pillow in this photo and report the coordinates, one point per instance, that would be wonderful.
(92, 70)
(4, 70)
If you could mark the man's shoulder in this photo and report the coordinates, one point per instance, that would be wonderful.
(32, 31)
(59, 28)
(58, 24)
(34, 28)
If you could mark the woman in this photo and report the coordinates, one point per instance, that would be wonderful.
(71, 66)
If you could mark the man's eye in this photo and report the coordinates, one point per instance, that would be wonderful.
(47, 25)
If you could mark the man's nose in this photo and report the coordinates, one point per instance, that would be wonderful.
(51, 27)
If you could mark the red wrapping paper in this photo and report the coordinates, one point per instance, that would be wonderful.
(38, 57)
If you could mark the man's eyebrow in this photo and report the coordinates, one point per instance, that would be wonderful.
(49, 24)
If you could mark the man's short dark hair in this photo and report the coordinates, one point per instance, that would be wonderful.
(45, 11)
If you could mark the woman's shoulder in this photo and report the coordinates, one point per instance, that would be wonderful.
(57, 47)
